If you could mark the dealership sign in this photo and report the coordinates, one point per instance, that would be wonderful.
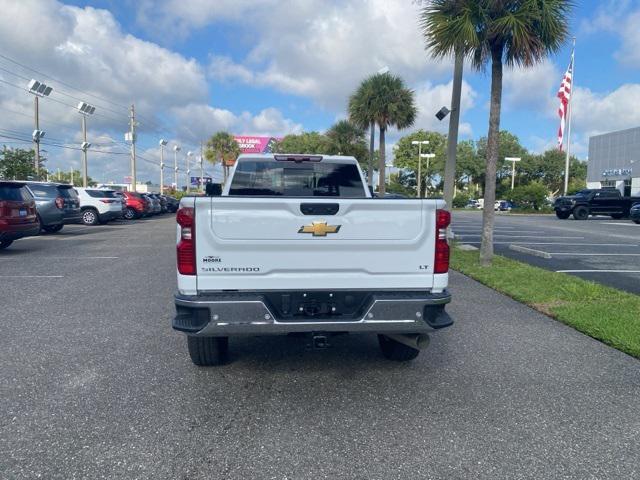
(250, 144)
(616, 172)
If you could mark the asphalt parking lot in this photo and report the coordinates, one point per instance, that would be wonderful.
(95, 384)
(599, 249)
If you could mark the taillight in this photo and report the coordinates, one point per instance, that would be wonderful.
(441, 261)
(60, 203)
(186, 249)
(107, 201)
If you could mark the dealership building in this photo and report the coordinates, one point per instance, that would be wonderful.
(614, 161)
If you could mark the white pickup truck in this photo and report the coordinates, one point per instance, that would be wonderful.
(297, 244)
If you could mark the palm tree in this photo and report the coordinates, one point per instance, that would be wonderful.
(511, 32)
(222, 146)
(361, 115)
(385, 100)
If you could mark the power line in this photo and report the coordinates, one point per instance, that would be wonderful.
(60, 81)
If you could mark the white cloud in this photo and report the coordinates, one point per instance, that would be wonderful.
(197, 121)
(596, 113)
(324, 49)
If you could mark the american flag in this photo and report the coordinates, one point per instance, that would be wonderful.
(564, 94)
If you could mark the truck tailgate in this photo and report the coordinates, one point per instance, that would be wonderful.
(270, 244)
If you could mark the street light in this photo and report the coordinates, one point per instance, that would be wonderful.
(176, 149)
(85, 109)
(513, 161)
(162, 143)
(189, 155)
(428, 156)
(420, 143)
(38, 89)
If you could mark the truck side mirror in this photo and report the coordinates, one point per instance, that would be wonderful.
(213, 189)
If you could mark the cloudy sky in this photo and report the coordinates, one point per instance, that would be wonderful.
(273, 67)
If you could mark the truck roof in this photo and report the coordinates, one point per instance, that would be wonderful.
(272, 156)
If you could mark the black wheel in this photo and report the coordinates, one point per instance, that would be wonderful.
(5, 243)
(208, 351)
(617, 216)
(90, 217)
(129, 214)
(52, 228)
(581, 213)
(395, 350)
(637, 221)
(563, 215)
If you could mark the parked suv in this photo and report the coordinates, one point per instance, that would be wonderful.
(98, 206)
(18, 217)
(57, 205)
(137, 205)
(172, 203)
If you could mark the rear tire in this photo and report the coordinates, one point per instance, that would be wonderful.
(129, 214)
(90, 217)
(637, 221)
(617, 216)
(208, 351)
(396, 351)
(563, 215)
(5, 243)
(581, 213)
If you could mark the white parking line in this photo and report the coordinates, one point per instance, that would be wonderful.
(628, 224)
(522, 236)
(563, 243)
(31, 276)
(596, 254)
(598, 271)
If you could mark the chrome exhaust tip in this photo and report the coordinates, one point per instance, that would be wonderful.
(419, 341)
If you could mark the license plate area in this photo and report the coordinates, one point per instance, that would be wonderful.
(318, 305)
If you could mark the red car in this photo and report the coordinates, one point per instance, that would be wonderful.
(18, 216)
(137, 205)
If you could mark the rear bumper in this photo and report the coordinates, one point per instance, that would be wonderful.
(110, 215)
(21, 231)
(234, 313)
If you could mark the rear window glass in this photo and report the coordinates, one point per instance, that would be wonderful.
(101, 194)
(305, 179)
(14, 193)
(67, 192)
(45, 191)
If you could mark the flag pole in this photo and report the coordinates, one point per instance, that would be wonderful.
(569, 109)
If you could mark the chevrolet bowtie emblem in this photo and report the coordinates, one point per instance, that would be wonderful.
(319, 229)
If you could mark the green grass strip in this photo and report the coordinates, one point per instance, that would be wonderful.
(604, 313)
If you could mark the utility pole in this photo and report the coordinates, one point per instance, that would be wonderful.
(162, 142)
(201, 166)
(132, 134)
(72, 176)
(513, 161)
(176, 149)
(188, 182)
(36, 140)
(84, 151)
(452, 138)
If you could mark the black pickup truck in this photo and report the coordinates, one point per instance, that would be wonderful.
(604, 201)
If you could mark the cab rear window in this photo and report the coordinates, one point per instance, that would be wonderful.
(296, 179)
(15, 193)
(44, 191)
(67, 192)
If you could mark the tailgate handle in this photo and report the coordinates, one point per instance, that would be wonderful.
(319, 208)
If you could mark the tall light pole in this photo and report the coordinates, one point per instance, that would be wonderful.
(176, 149)
(85, 109)
(38, 89)
(452, 137)
(428, 156)
(162, 143)
(201, 167)
(419, 143)
(513, 161)
(189, 155)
